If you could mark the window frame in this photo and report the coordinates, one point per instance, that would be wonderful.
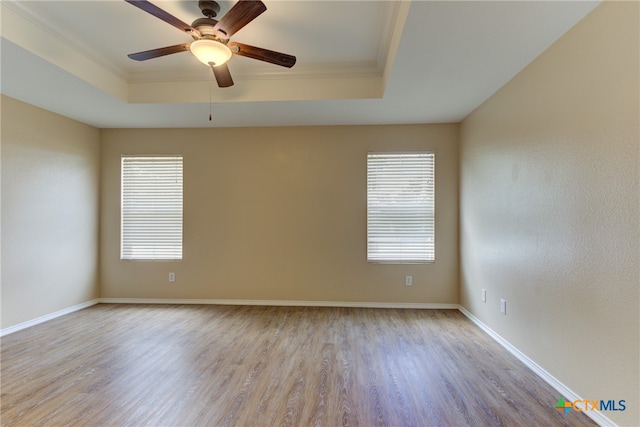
(153, 205)
(379, 253)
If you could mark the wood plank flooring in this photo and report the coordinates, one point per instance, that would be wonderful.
(186, 365)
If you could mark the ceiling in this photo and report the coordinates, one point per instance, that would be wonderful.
(358, 62)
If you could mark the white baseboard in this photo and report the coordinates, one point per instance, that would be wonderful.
(280, 303)
(564, 391)
(16, 328)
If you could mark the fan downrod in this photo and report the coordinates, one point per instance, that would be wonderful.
(209, 8)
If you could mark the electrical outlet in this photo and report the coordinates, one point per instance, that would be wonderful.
(408, 280)
(172, 277)
(484, 295)
(503, 306)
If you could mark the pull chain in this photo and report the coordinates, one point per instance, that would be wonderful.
(210, 89)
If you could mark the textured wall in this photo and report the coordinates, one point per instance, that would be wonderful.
(50, 184)
(550, 209)
(280, 214)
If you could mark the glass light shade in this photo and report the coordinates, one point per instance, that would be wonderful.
(210, 52)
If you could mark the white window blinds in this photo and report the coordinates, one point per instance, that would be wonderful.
(151, 215)
(400, 207)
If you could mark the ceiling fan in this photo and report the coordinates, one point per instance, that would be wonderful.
(211, 38)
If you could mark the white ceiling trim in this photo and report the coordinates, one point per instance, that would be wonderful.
(393, 30)
(30, 11)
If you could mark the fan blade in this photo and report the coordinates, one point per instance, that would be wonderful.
(161, 14)
(240, 15)
(261, 54)
(223, 75)
(156, 53)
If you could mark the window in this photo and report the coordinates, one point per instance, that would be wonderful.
(400, 207)
(151, 216)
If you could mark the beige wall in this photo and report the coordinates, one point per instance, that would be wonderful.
(280, 214)
(550, 209)
(50, 184)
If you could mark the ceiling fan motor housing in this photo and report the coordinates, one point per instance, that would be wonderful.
(209, 8)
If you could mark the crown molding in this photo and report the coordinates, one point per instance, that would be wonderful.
(29, 11)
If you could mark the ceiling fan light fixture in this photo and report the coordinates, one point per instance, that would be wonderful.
(210, 52)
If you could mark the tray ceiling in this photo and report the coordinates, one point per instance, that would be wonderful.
(359, 62)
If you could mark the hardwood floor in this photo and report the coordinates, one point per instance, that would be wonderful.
(179, 365)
